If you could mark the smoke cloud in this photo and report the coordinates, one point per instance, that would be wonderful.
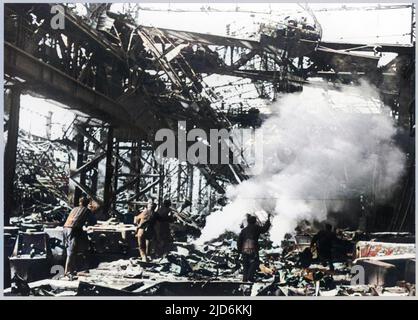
(320, 147)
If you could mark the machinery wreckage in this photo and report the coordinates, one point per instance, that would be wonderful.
(113, 269)
(126, 81)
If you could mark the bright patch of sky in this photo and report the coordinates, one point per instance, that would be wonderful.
(36, 112)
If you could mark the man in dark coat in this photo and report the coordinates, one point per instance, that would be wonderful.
(248, 246)
(324, 242)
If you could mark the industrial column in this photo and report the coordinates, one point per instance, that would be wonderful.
(80, 161)
(190, 182)
(115, 174)
(12, 103)
(107, 197)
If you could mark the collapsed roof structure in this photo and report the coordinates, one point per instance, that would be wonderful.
(126, 81)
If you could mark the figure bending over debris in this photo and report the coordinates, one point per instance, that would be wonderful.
(74, 235)
(163, 218)
(145, 222)
(248, 246)
(324, 241)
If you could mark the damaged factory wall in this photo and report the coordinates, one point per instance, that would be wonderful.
(321, 149)
(41, 178)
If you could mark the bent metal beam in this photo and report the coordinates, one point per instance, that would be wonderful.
(55, 84)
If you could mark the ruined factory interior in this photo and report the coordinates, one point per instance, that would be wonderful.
(209, 150)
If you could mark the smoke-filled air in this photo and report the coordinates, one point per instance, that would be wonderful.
(320, 147)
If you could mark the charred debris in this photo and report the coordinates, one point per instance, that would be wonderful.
(124, 81)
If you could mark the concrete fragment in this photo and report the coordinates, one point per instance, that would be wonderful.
(379, 273)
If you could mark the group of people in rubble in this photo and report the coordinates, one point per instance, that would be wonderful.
(153, 230)
(248, 246)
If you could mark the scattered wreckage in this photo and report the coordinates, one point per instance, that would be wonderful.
(111, 266)
(34, 244)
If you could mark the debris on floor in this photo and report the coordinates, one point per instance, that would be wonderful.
(210, 269)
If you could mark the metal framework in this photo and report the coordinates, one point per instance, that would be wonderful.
(138, 79)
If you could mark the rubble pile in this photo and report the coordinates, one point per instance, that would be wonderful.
(215, 269)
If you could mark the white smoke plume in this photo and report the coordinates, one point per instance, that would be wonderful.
(318, 146)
